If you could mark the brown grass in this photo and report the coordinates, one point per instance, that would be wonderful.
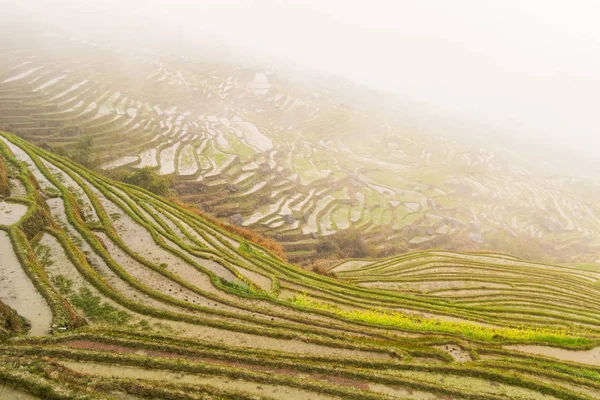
(4, 185)
(322, 267)
(247, 234)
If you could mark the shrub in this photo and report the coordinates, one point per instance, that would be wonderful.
(83, 151)
(345, 244)
(63, 284)
(149, 179)
(322, 268)
(97, 311)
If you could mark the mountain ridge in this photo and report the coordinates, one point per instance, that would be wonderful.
(283, 154)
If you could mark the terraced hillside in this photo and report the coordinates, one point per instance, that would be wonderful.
(107, 291)
(284, 152)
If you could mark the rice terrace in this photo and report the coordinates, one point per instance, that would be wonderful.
(204, 226)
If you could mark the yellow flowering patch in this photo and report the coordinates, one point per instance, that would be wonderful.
(468, 329)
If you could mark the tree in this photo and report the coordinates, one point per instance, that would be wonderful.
(83, 151)
(149, 179)
(347, 243)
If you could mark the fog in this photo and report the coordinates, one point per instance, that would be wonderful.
(530, 66)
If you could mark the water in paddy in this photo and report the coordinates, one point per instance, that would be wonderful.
(17, 290)
(11, 212)
(12, 394)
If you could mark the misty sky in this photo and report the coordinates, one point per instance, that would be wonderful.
(530, 65)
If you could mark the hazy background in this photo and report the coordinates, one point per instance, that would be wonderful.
(532, 66)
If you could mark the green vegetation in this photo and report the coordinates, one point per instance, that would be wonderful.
(157, 214)
(162, 287)
(96, 310)
(83, 151)
(345, 244)
(147, 178)
(589, 266)
(431, 325)
(63, 284)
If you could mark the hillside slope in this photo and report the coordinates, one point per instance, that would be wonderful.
(147, 300)
(295, 154)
